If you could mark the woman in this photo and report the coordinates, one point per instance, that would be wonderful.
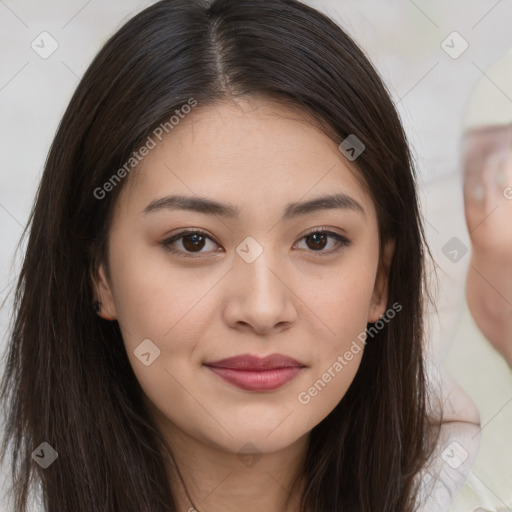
(282, 367)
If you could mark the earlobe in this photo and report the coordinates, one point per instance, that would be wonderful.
(380, 292)
(104, 295)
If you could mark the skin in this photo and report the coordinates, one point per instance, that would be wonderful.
(487, 163)
(307, 303)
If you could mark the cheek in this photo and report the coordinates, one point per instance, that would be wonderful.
(337, 353)
(163, 315)
(341, 298)
(341, 313)
(155, 299)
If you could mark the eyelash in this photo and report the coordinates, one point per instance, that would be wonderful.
(166, 244)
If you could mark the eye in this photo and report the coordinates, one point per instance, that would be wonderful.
(319, 240)
(192, 242)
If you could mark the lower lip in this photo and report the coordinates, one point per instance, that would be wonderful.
(263, 380)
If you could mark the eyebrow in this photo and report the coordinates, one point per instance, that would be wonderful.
(292, 210)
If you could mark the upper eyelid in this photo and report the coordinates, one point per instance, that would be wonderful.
(321, 229)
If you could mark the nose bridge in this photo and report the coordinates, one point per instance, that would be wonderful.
(260, 296)
(256, 264)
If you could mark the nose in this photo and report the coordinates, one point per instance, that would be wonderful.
(260, 296)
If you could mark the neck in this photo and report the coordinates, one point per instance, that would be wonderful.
(205, 477)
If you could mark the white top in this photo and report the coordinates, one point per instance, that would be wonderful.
(457, 447)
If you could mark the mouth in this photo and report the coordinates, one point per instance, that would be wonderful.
(252, 373)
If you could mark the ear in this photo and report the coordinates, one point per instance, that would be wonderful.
(380, 291)
(104, 294)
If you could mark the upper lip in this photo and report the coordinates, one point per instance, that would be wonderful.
(250, 362)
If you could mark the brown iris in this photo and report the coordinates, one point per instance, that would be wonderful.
(317, 244)
(193, 241)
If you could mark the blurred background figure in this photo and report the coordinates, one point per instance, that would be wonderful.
(486, 155)
(481, 355)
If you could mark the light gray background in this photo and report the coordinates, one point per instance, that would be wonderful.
(402, 38)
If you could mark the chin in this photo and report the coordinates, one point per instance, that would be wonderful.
(254, 440)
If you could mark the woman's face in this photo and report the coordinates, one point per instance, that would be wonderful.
(254, 281)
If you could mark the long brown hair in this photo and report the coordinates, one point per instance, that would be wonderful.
(68, 380)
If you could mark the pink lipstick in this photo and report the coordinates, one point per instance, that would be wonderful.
(253, 373)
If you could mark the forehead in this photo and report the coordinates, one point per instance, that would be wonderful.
(252, 148)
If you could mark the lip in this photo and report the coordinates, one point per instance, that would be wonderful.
(254, 363)
(253, 373)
